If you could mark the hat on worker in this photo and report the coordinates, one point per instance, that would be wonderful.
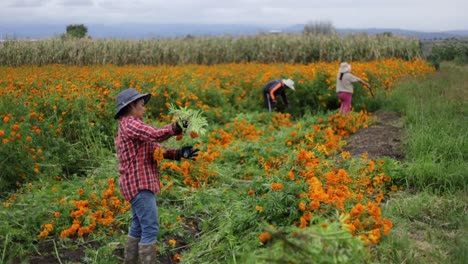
(345, 67)
(289, 83)
(127, 97)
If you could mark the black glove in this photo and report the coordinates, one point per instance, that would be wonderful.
(188, 152)
(180, 125)
(183, 122)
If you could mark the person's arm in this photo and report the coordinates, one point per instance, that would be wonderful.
(357, 79)
(139, 130)
(273, 90)
(364, 82)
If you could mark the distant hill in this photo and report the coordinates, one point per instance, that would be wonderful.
(141, 31)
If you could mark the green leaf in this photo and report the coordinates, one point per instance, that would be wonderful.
(197, 122)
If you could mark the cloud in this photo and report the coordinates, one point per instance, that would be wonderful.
(78, 3)
(407, 14)
(27, 3)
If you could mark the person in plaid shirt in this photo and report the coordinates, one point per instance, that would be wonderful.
(139, 175)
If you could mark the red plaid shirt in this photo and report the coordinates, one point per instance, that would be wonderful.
(135, 143)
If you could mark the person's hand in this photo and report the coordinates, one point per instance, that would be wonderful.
(188, 152)
(183, 122)
(179, 125)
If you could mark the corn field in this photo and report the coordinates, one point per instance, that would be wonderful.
(281, 48)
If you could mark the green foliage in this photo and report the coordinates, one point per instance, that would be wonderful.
(449, 50)
(436, 147)
(220, 222)
(428, 228)
(314, 244)
(197, 122)
(313, 96)
(76, 31)
(319, 27)
(43, 144)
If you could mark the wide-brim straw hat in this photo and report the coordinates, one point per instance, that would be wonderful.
(289, 83)
(127, 97)
(345, 67)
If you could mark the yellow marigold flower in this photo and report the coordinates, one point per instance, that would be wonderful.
(259, 208)
(172, 242)
(345, 155)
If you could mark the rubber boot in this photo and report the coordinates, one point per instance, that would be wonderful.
(131, 250)
(147, 253)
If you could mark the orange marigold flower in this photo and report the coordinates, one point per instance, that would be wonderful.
(357, 210)
(158, 154)
(276, 186)
(302, 206)
(387, 225)
(2, 133)
(264, 237)
(251, 192)
(177, 257)
(194, 134)
(314, 205)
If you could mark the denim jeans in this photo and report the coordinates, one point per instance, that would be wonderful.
(145, 224)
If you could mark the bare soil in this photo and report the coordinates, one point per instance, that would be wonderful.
(382, 138)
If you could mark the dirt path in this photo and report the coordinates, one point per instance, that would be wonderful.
(382, 138)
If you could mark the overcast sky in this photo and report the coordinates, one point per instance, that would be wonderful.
(424, 15)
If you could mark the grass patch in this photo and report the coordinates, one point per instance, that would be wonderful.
(436, 145)
(430, 216)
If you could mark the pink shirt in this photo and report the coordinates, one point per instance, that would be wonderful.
(135, 144)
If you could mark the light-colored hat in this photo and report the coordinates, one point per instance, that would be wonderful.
(289, 83)
(345, 67)
(126, 97)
